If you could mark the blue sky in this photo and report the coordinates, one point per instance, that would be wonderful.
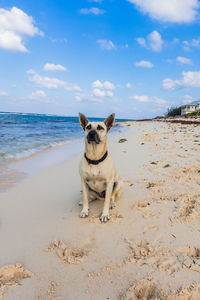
(135, 58)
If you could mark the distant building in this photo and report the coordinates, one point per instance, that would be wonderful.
(188, 108)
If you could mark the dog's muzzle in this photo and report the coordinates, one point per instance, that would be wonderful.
(93, 137)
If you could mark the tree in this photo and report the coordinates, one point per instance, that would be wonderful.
(174, 111)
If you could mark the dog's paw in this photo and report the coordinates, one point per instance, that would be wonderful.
(112, 205)
(84, 213)
(104, 218)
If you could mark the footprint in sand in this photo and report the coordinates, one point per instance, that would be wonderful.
(151, 215)
(74, 256)
(140, 205)
(151, 227)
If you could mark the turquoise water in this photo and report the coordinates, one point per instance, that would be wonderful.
(22, 135)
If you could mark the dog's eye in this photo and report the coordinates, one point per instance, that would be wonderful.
(89, 127)
(99, 127)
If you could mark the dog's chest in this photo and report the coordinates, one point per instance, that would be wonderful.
(95, 179)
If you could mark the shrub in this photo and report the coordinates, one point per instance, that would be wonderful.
(194, 113)
(159, 117)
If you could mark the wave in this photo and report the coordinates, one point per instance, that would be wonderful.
(30, 152)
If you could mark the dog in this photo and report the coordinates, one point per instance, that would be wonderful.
(99, 177)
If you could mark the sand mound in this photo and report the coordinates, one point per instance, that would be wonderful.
(188, 174)
(189, 258)
(11, 275)
(71, 256)
(158, 257)
(145, 290)
(190, 251)
(191, 292)
(143, 252)
(190, 210)
(139, 251)
(148, 290)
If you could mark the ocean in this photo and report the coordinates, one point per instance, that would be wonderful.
(23, 135)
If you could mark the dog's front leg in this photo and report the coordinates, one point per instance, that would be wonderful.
(105, 214)
(84, 211)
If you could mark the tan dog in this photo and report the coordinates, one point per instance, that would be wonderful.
(98, 175)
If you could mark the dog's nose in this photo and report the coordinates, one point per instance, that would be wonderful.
(92, 133)
(93, 137)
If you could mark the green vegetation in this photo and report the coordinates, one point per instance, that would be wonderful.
(159, 117)
(174, 111)
(194, 113)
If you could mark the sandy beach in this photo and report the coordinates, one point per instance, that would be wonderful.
(150, 249)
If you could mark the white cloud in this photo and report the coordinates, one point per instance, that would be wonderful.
(142, 42)
(183, 60)
(168, 84)
(46, 82)
(106, 45)
(154, 100)
(88, 98)
(195, 43)
(37, 95)
(64, 40)
(189, 79)
(160, 102)
(92, 11)
(53, 67)
(128, 85)
(103, 85)
(3, 93)
(14, 25)
(101, 93)
(51, 83)
(141, 98)
(144, 64)
(71, 87)
(174, 11)
(153, 41)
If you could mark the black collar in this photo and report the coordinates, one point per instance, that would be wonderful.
(96, 162)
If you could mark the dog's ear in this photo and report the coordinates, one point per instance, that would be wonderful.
(83, 120)
(110, 121)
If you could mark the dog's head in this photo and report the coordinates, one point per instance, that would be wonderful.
(95, 132)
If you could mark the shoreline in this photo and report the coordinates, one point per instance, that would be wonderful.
(16, 170)
(178, 119)
(13, 171)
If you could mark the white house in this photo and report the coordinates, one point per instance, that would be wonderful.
(188, 108)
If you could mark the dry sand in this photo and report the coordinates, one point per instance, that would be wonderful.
(150, 249)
